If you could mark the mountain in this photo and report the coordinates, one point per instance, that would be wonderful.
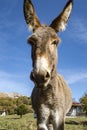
(11, 95)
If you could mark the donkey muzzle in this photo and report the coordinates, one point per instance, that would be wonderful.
(40, 78)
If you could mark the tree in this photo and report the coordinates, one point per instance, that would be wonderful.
(11, 104)
(22, 100)
(83, 100)
(22, 109)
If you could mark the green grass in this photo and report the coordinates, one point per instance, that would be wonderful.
(76, 127)
(14, 122)
(27, 122)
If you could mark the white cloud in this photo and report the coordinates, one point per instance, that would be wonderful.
(14, 83)
(74, 76)
(79, 29)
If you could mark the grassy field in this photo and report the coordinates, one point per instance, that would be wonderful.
(14, 122)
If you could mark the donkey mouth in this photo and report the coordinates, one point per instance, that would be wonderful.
(40, 79)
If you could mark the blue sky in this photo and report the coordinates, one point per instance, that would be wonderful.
(15, 59)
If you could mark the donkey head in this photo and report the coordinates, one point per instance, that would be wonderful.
(44, 41)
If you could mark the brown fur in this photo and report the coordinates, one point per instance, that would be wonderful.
(51, 97)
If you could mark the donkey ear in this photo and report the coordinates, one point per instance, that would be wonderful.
(30, 15)
(59, 23)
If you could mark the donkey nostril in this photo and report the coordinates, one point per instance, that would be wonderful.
(39, 77)
(32, 77)
(47, 75)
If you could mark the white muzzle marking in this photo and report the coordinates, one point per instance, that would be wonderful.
(42, 64)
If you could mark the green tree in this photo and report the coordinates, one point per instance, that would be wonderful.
(83, 100)
(9, 104)
(22, 109)
(22, 100)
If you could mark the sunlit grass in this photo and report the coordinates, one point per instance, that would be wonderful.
(27, 122)
(14, 122)
(76, 127)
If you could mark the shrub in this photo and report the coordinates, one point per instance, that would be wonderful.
(22, 109)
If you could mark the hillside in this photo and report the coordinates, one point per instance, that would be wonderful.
(11, 95)
(12, 103)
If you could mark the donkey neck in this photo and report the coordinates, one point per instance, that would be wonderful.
(49, 94)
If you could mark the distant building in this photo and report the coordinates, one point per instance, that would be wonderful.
(76, 109)
(2, 113)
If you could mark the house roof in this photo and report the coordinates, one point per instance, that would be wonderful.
(2, 111)
(76, 104)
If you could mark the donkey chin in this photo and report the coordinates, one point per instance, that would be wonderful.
(41, 78)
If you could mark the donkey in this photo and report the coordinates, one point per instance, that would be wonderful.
(51, 97)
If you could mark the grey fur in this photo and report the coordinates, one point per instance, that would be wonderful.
(51, 96)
